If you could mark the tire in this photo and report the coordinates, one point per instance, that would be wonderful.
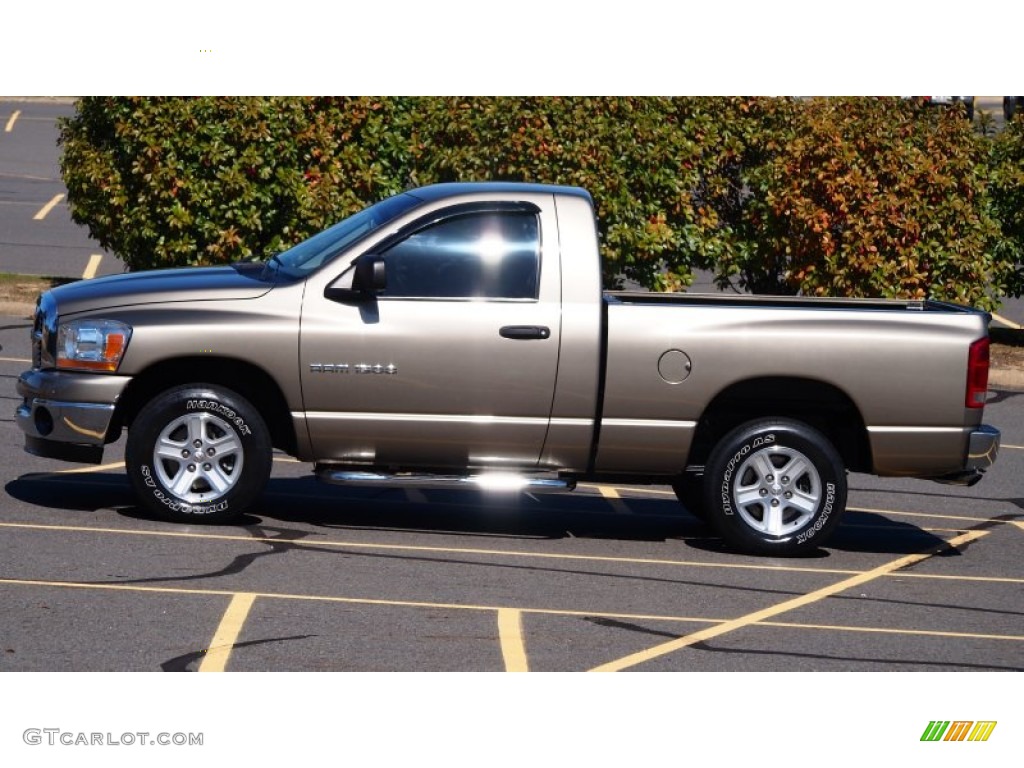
(198, 454)
(689, 490)
(775, 487)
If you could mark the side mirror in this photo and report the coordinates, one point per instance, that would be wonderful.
(369, 278)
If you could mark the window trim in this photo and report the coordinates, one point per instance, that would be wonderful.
(455, 211)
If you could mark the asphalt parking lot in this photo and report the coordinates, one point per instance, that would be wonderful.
(919, 577)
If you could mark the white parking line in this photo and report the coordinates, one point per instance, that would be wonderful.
(13, 119)
(47, 208)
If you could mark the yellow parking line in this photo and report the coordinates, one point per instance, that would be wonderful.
(932, 515)
(48, 207)
(12, 120)
(433, 550)
(1014, 447)
(513, 647)
(784, 607)
(614, 500)
(497, 552)
(87, 470)
(352, 600)
(890, 631)
(242, 598)
(629, 489)
(92, 266)
(14, 360)
(1006, 322)
(216, 658)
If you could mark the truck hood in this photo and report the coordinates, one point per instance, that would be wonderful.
(238, 281)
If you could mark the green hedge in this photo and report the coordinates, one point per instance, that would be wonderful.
(837, 196)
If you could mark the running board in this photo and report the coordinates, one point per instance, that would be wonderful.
(503, 482)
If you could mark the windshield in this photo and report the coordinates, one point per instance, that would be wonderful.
(311, 254)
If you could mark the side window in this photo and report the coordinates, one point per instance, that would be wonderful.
(492, 255)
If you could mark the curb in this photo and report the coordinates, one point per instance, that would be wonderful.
(39, 99)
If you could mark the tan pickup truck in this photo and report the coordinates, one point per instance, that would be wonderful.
(458, 335)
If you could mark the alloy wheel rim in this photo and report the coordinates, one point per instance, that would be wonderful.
(776, 490)
(198, 457)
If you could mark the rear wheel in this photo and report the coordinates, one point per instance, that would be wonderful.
(775, 487)
(198, 453)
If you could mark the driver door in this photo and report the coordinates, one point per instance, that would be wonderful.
(453, 363)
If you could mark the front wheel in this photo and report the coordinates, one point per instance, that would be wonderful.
(198, 453)
(775, 487)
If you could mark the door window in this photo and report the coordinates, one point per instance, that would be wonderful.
(492, 255)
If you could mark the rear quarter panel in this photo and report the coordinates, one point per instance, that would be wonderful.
(904, 370)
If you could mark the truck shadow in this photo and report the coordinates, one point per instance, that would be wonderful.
(303, 501)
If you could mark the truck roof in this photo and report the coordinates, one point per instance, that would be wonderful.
(451, 189)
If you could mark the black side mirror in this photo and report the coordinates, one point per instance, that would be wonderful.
(369, 278)
(371, 275)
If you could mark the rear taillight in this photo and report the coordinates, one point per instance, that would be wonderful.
(977, 374)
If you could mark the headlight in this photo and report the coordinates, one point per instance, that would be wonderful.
(92, 345)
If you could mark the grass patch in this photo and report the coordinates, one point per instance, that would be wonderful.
(26, 288)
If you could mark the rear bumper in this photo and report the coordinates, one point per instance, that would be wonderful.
(982, 450)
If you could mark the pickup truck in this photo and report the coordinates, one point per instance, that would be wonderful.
(458, 335)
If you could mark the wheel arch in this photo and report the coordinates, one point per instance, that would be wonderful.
(819, 404)
(248, 380)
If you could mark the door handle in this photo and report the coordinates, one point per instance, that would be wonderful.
(525, 332)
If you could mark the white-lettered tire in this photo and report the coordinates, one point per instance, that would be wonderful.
(198, 453)
(775, 486)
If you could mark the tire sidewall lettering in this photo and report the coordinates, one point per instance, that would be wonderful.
(822, 519)
(730, 468)
(221, 410)
(176, 505)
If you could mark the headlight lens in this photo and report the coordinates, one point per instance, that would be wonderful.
(92, 345)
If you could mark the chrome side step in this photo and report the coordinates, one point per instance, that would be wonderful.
(494, 481)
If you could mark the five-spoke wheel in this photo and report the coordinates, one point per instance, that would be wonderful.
(198, 453)
(775, 486)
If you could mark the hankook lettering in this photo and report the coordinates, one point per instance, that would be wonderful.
(220, 410)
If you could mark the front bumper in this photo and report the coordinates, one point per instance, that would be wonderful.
(67, 415)
(982, 450)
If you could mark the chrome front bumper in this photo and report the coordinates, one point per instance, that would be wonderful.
(67, 415)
